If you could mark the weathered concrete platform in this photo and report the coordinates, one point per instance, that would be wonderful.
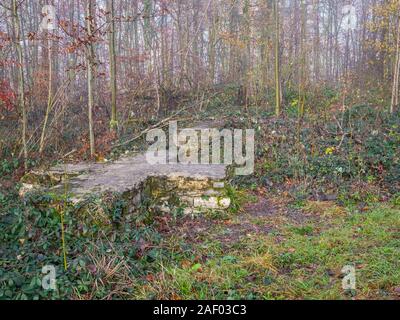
(196, 187)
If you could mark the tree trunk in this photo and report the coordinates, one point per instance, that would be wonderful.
(395, 90)
(277, 62)
(113, 79)
(49, 98)
(90, 78)
(21, 81)
(302, 72)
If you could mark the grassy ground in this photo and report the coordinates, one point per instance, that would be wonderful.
(274, 251)
(273, 248)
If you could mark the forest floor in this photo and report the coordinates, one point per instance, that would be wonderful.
(311, 208)
(274, 250)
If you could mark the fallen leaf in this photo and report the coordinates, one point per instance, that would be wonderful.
(150, 277)
(92, 268)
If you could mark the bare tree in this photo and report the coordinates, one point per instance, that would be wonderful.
(21, 79)
(113, 79)
(395, 90)
(277, 61)
(90, 65)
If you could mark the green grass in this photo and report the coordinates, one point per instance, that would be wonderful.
(226, 259)
(306, 265)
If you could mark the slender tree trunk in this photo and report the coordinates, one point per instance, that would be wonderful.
(277, 61)
(302, 66)
(21, 81)
(395, 90)
(211, 44)
(317, 42)
(49, 98)
(90, 78)
(113, 79)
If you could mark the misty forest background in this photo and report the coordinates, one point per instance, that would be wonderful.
(317, 79)
(147, 57)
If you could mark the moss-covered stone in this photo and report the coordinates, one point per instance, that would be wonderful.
(133, 180)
